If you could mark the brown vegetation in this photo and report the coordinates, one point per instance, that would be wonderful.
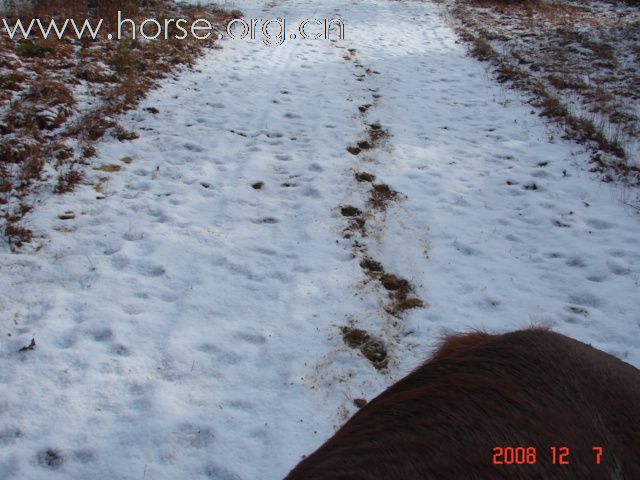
(576, 61)
(42, 120)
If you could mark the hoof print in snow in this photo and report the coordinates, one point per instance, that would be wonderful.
(392, 282)
(218, 472)
(381, 195)
(121, 350)
(356, 225)
(109, 168)
(558, 223)
(364, 145)
(531, 186)
(376, 352)
(376, 135)
(353, 150)
(51, 458)
(257, 185)
(363, 177)
(364, 108)
(31, 346)
(350, 211)
(371, 347)
(67, 216)
(267, 220)
(402, 305)
(399, 290)
(354, 337)
(578, 310)
(359, 402)
(370, 265)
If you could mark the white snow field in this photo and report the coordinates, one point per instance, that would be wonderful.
(188, 325)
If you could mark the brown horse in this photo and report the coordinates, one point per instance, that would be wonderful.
(531, 404)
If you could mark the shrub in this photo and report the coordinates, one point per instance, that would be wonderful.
(27, 48)
(11, 81)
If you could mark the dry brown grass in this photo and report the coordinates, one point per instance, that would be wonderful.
(575, 60)
(42, 122)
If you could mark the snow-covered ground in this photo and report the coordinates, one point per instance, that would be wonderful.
(187, 324)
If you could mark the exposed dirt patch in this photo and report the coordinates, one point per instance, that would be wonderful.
(403, 302)
(364, 145)
(376, 352)
(381, 195)
(354, 337)
(100, 185)
(392, 282)
(257, 185)
(363, 177)
(357, 225)
(350, 211)
(371, 347)
(400, 295)
(370, 265)
(400, 291)
(109, 168)
(377, 134)
(359, 402)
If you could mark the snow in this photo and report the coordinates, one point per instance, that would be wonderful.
(187, 324)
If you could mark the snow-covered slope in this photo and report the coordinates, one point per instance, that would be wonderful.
(187, 323)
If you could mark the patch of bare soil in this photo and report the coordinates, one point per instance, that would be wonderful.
(371, 347)
(350, 211)
(363, 177)
(578, 61)
(58, 97)
(381, 195)
(375, 136)
(370, 265)
(359, 402)
(401, 292)
(357, 221)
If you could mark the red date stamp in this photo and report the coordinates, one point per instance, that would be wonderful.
(529, 455)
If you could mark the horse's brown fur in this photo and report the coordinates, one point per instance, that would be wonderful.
(530, 388)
